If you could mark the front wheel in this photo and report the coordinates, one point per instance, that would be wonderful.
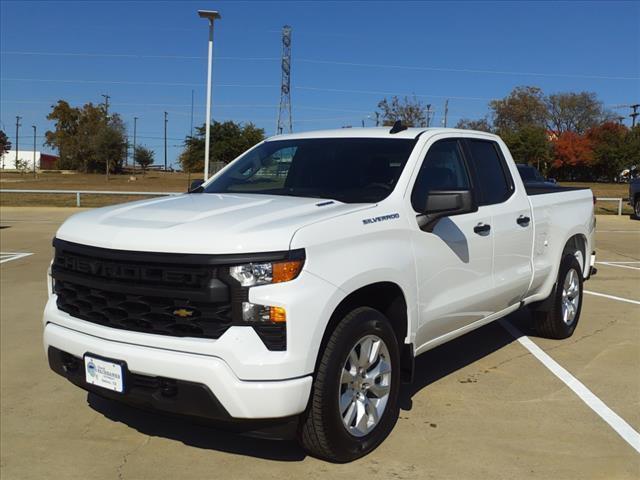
(636, 208)
(354, 402)
(561, 320)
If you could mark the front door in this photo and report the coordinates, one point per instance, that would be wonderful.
(453, 262)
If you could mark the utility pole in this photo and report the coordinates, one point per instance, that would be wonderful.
(634, 114)
(165, 141)
(34, 150)
(428, 114)
(191, 128)
(106, 103)
(135, 124)
(18, 125)
(446, 112)
(620, 120)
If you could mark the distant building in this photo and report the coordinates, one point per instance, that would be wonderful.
(44, 161)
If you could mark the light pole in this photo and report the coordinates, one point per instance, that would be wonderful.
(34, 150)
(210, 15)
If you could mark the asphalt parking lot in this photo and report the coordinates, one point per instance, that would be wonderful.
(482, 406)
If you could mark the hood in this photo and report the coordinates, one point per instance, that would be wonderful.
(202, 223)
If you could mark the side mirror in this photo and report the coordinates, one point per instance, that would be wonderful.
(445, 203)
(195, 186)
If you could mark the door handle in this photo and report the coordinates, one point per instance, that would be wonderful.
(482, 228)
(523, 221)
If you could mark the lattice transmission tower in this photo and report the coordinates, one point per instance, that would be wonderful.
(284, 112)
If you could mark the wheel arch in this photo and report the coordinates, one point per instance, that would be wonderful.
(390, 300)
(577, 243)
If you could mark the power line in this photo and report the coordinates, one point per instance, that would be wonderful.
(339, 63)
(114, 82)
(378, 92)
(132, 55)
(467, 70)
(185, 105)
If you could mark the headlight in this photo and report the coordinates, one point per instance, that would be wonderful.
(264, 273)
(253, 274)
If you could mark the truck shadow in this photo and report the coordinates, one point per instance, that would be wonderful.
(452, 356)
(278, 443)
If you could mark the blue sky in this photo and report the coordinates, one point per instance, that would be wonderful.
(149, 56)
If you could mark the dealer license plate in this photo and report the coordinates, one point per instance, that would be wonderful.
(104, 373)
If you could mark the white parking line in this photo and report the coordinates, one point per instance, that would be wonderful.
(612, 297)
(616, 261)
(8, 256)
(616, 422)
(619, 265)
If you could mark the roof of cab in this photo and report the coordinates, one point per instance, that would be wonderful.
(374, 132)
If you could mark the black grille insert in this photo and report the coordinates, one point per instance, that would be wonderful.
(158, 315)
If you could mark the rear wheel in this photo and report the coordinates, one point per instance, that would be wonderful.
(562, 318)
(354, 402)
(636, 208)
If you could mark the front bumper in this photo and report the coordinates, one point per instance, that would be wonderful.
(217, 392)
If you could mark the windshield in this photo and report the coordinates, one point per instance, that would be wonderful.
(351, 170)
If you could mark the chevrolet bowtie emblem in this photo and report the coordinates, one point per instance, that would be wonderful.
(183, 313)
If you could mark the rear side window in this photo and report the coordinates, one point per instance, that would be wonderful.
(494, 180)
(442, 169)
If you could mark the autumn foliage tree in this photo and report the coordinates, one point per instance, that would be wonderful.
(573, 155)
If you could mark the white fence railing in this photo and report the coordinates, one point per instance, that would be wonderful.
(606, 199)
(77, 193)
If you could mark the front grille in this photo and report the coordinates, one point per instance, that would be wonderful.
(147, 314)
(179, 295)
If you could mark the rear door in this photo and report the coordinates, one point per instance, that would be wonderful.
(511, 221)
(453, 262)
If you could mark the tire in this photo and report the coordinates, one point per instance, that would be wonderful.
(636, 208)
(561, 321)
(323, 432)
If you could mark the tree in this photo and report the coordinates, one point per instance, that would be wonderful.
(228, 140)
(523, 106)
(144, 157)
(5, 144)
(86, 138)
(573, 156)
(481, 124)
(411, 112)
(529, 144)
(573, 112)
(613, 149)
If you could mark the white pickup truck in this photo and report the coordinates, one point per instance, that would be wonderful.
(302, 280)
